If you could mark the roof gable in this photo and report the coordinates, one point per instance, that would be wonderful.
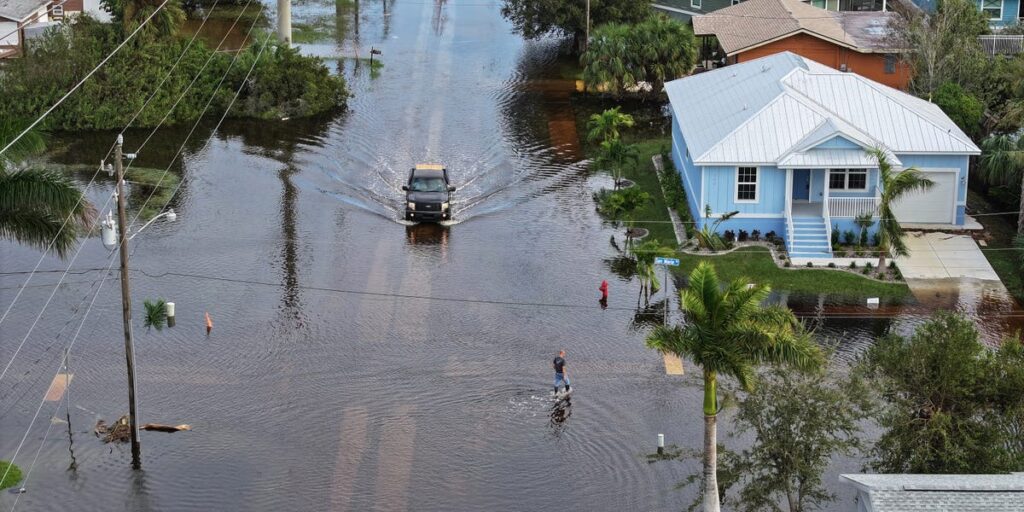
(754, 23)
(18, 10)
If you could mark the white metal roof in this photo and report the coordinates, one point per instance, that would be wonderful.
(761, 111)
(831, 158)
(939, 493)
(18, 10)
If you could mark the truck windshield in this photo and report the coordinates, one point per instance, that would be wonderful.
(427, 185)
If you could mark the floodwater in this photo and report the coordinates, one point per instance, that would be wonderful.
(358, 362)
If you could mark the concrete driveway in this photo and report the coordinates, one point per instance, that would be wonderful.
(944, 256)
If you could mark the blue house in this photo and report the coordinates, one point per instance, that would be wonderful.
(784, 141)
(999, 13)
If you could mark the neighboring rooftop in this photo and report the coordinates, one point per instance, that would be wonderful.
(765, 110)
(754, 23)
(18, 10)
(938, 493)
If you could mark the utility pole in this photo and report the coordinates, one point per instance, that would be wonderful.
(284, 21)
(126, 303)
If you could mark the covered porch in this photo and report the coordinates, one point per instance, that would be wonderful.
(818, 199)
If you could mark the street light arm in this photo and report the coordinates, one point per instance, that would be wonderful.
(168, 213)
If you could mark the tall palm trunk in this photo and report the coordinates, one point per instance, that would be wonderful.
(710, 442)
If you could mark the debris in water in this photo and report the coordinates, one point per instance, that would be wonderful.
(166, 428)
(120, 431)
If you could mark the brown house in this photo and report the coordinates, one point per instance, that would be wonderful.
(857, 42)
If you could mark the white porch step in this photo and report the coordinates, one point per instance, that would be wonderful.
(810, 238)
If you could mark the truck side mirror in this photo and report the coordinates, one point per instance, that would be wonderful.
(405, 188)
(451, 189)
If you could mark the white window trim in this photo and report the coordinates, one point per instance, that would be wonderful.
(757, 186)
(696, 3)
(1002, 7)
(846, 180)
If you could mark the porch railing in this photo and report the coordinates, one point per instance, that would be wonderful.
(1000, 44)
(847, 207)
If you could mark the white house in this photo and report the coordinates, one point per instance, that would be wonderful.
(15, 15)
(785, 141)
(938, 493)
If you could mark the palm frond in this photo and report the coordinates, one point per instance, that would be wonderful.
(37, 229)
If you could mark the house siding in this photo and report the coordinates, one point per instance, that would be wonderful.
(838, 142)
(869, 65)
(720, 191)
(1010, 13)
(706, 6)
(689, 174)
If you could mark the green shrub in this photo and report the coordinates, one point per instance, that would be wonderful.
(853, 264)
(831, 264)
(283, 82)
(787, 264)
(962, 107)
(13, 474)
(809, 264)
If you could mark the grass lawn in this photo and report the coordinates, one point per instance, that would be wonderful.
(756, 264)
(654, 215)
(1001, 231)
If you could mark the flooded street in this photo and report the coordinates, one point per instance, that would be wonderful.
(359, 362)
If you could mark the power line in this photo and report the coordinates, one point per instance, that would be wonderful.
(109, 151)
(31, 19)
(87, 76)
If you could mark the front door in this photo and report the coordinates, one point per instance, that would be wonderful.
(801, 184)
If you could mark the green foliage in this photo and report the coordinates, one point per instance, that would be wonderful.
(950, 404)
(130, 14)
(29, 145)
(707, 236)
(945, 47)
(894, 185)
(653, 51)
(156, 314)
(13, 473)
(962, 107)
(534, 19)
(729, 332)
(799, 421)
(620, 203)
(605, 126)
(1018, 243)
(34, 204)
(614, 155)
(282, 84)
(645, 253)
(864, 221)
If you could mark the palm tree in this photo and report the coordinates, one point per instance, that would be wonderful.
(729, 332)
(605, 126)
(131, 13)
(864, 221)
(1002, 163)
(894, 185)
(35, 203)
(615, 154)
(645, 253)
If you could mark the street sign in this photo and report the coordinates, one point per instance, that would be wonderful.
(674, 262)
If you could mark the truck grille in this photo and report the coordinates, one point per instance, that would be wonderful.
(428, 207)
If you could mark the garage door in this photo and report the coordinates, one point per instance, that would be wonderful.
(935, 205)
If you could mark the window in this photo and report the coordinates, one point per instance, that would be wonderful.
(735, 2)
(696, 3)
(992, 9)
(746, 184)
(848, 179)
(856, 180)
(890, 63)
(57, 11)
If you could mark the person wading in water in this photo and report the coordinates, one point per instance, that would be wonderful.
(561, 376)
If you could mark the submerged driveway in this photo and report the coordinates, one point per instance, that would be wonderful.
(944, 256)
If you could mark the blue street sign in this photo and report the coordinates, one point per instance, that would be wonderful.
(658, 260)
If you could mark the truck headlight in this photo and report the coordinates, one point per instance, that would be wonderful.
(412, 205)
(444, 206)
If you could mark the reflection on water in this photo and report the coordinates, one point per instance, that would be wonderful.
(327, 386)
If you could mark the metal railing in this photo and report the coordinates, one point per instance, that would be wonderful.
(849, 207)
(1002, 44)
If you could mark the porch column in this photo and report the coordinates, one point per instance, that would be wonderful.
(789, 193)
(824, 202)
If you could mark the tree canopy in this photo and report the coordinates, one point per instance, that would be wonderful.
(619, 57)
(950, 404)
(534, 19)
